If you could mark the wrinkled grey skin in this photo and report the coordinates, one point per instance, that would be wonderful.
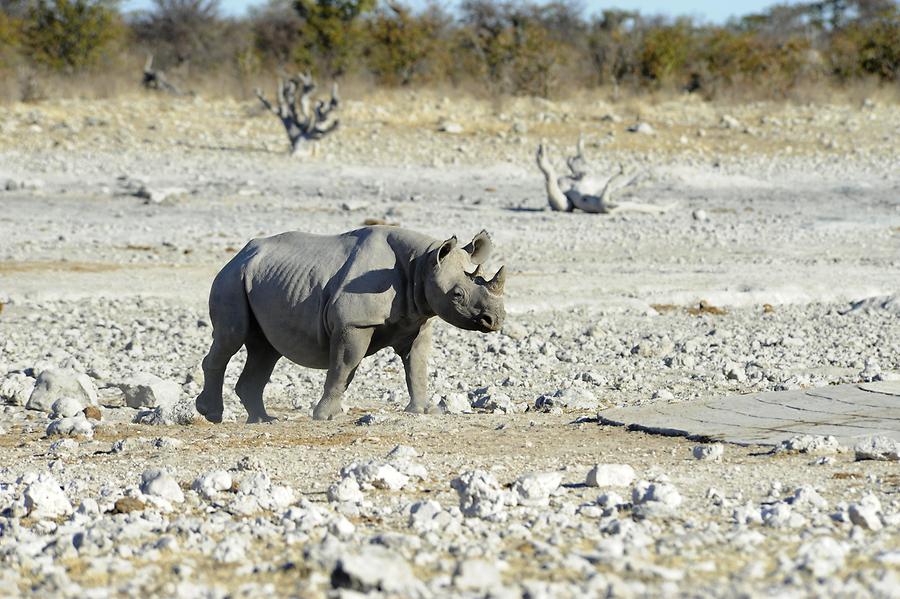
(329, 301)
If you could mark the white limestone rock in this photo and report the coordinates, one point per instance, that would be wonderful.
(45, 499)
(514, 330)
(209, 485)
(781, 515)
(815, 444)
(231, 549)
(887, 303)
(145, 390)
(492, 399)
(712, 452)
(822, 556)
(610, 475)
(374, 568)
(879, 448)
(806, 496)
(75, 426)
(66, 407)
(166, 443)
(63, 447)
(256, 493)
(653, 499)
(450, 127)
(455, 403)
(642, 129)
(534, 489)
(375, 475)
(866, 513)
(430, 516)
(181, 413)
(16, 388)
(571, 398)
(88, 507)
(55, 383)
(159, 483)
(480, 495)
(345, 491)
(476, 576)
(663, 395)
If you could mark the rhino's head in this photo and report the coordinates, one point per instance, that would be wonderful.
(459, 294)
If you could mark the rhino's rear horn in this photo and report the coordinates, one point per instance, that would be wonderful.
(475, 273)
(495, 285)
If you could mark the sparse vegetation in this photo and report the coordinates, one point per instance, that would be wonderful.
(518, 48)
(401, 43)
(70, 34)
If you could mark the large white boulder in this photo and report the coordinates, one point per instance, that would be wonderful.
(56, 383)
(16, 388)
(159, 483)
(610, 475)
(45, 499)
(147, 390)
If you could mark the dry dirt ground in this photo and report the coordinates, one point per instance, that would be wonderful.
(117, 214)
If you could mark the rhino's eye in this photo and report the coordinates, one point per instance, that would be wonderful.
(459, 294)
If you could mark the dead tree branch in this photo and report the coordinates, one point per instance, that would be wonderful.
(303, 122)
(581, 191)
(156, 80)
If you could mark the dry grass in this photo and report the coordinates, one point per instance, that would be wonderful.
(9, 267)
(702, 308)
(664, 308)
(122, 77)
(705, 307)
(405, 121)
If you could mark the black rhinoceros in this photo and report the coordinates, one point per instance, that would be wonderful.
(328, 301)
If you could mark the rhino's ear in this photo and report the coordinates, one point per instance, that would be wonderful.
(479, 248)
(446, 247)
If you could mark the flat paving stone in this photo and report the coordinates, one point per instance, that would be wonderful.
(848, 412)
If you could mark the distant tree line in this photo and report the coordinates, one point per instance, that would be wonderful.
(502, 47)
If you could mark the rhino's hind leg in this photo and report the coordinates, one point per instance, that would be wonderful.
(209, 402)
(261, 360)
(230, 318)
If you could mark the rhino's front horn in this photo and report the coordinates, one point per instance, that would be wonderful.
(495, 285)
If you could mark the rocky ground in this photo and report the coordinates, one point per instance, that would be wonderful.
(117, 214)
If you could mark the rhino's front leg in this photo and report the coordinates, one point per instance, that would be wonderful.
(348, 348)
(415, 363)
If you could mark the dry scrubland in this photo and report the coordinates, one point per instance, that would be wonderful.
(401, 128)
(117, 214)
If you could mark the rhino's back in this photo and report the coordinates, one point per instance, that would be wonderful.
(294, 264)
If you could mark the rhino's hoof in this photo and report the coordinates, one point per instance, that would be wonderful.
(327, 411)
(264, 418)
(215, 418)
(427, 409)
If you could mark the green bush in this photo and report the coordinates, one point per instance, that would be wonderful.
(665, 52)
(70, 34)
(331, 32)
(399, 43)
(614, 42)
(10, 39)
(276, 31)
(514, 50)
(868, 48)
(184, 32)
